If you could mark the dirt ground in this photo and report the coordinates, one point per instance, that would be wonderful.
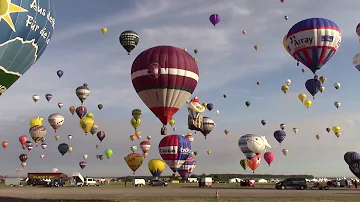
(170, 192)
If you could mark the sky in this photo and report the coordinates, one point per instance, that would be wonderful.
(228, 64)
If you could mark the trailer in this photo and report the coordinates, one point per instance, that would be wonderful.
(320, 186)
(12, 182)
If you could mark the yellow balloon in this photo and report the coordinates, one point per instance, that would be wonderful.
(336, 129)
(138, 134)
(302, 97)
(134, 161)
(285, 88)
(156, 167)
(209, 152)
(256, 47)
(70, 149)
(104, 30)
(36, 122)
(57, 137)
(135, 123)
(172, 122)
(148, 137)
(145, 154)
(307, 103)
(132, 137)
(86, 124)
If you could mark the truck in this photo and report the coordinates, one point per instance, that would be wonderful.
(12, 182)
(78, 178)
(90, 182)
(138, 182)
(206, 182)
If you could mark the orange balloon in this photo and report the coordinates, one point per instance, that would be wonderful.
(72, 110)
(244, 32)
(133, 137)
(254, 163)
(318, 137)
(138, 134)
(4, 144)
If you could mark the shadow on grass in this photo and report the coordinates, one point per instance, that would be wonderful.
(14, 199)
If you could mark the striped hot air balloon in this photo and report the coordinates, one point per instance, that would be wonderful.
(208, 125)
(313, 41)
(164, 77)
(174, 150)
(187, 168)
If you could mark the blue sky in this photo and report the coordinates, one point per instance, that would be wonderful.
(228, 65)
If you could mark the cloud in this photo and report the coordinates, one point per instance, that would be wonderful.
(228, 65)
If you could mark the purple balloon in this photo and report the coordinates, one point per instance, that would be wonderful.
(82, 164)
(60, 73)
(214, 19)
(48, 97)
(101, 135)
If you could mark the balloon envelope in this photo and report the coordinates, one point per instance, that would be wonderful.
(156, 167)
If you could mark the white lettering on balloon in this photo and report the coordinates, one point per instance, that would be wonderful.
(31, 22)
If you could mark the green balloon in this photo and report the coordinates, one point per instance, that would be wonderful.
(108, 153)
(90, 115)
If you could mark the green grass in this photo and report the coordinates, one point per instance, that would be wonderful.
(192, 200)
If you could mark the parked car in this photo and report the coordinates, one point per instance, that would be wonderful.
(156, 182)
(292, 183)
(247, 183)
(59, 182)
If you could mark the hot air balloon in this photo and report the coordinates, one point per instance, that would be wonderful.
(321, 89)
(60, 105)
(254, 162)
(284, 88)
(57, 137)
(108, 153)
(243, 32)
(138, 134)
(136, 113)
(56, 120)
(248, 103)
(43, 145)
(4, 144)
(279, 135)
(145, 146)
(36, 122)
(23, 157)
(26, 30)
(190, 137)
(81, 111)
(82, 164)
(356, 61)
(101, 135)
(295, 130)
(210, 106)
(338, 135)
(70, 149)
(63, 148)
(129, 40)
(328, 130)
(85, 156)
(322, 79)
(37, 133)
(317, 137)
(288, 82)
(101, 157)
(286, 17)
(148, 137)
(214, 19)
(82, 92)
(208, 126)
(70, 137)
(35, 98)
(156, 167)
(308, 103)
(134, 161)
(336, 86)
(174, 149)
(226, 132)
(313, 86)
(257, 144)
(133, 137)
(208, 152)
(282, 126)
(350, 156)
(354, 167)
(164, 78)
(100, 106)
(23, 139)
(256, 47)
(243, 145)
(29, 145)
(104, 30)
(243, 164)
(135, 123)
(48, 97)
(42, 156)
(314, 35)
(337, 104)
(269, 157)
(60, 73)
(187, 167)
(72, 110)
(133, 148)
(285, 151)
(336, 129)
(94, 129)
(172, 122)
(263, 122)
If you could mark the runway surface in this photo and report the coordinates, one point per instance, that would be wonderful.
(169, 192)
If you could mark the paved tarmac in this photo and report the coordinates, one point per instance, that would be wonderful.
(170, 192)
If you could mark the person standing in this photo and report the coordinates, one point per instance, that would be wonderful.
(355, 183)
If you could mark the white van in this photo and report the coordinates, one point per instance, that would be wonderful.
(206, 182)
(138, 182)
